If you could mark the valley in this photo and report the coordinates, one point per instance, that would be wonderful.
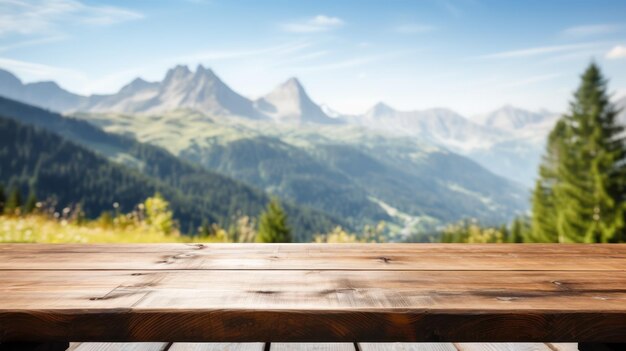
(415, 170)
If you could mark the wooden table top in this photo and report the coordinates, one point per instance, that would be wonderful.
(313, 292)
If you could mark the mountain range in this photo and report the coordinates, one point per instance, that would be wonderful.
(412, 168)
(508, 141)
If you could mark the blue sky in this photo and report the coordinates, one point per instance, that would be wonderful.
(469, 55)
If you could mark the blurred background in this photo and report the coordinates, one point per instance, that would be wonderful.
(342, 121)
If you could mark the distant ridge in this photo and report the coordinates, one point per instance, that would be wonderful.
(46, 94)
(508, 141)
(290, 102)
(338, 165)
(201, 90)
(181, 88)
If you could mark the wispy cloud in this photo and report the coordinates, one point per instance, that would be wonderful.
(577, 55)
(37, 70)
(590, 30)
(216, 55)
(531, 80)
(349, 63)
(413, 28)
(538, 51)
(353, 62)
(319, 23)
(307, 56)
(44, 17)
(617, 52)
(32, 42)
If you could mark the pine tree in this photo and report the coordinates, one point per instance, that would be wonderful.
(506, 234)
(590, 195)
(14, 202)
(204, 231)
(517, 230)
(31, 202)
(580, 196)
(273, 226)
(3, 199)
(543, 223)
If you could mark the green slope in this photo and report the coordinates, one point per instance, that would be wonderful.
(358, 175)
(196, 194)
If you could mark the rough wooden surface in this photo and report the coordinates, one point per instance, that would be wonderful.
(399, 346)
(312, 347)
(319, 347)
(461, 257)
(217, 347)
(322, 347)
(121, 346)
(502, 347)
(313, 293)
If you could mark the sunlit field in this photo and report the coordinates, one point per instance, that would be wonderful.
(40, 229)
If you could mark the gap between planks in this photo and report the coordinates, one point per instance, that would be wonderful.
(323, 347)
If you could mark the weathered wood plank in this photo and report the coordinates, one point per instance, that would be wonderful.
(217, 347)
(312, 347)
(560, 291)
(502, 347)
(468, 347)
(338, 293)
(122, 346)
(324, 305)
(306, 256)
(313, 247)
(36, 290)
(572, 346)
(601, 346)
(34, 346)
(397, 346)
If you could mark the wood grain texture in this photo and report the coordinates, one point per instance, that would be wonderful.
(217, 346)
(313, 293)
(325, 291)
(122, 346)
(502, 347)
(312, 347)
(571, 346)
(34, 346)
(314, 256)
(398, 346)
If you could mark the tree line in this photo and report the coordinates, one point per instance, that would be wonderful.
(580, 193)
(156, 213)
(12, 202)
(69, 173)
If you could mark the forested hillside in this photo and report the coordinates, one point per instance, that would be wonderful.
(292, 173)
(74, 174)
(350, 172)
(285, 144)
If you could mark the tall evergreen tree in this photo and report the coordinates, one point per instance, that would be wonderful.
(14, 202)
(273, 226)
(543, 223)
(3, 199)
(518, 230)
(580, 196)
(31, 202)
